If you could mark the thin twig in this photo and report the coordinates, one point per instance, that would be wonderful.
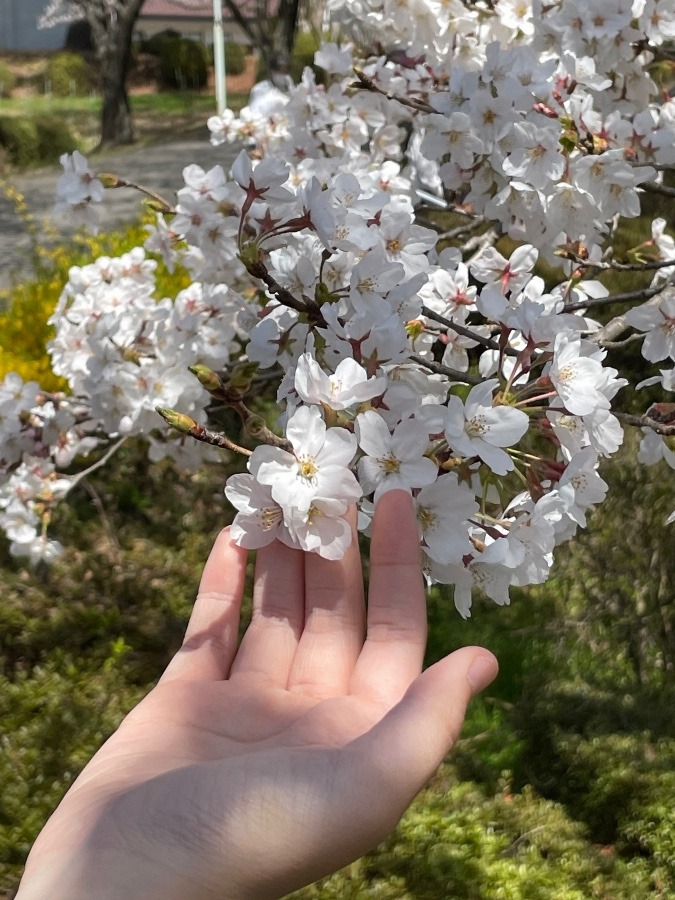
(97, 465)
(105, 519)
(440, 369)
(118, 182)
(612, 265)
(366, 84)
(466, 332)
(625, 297)
(216, 439)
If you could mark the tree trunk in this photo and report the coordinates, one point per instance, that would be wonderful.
(112, 28)
(117, 125)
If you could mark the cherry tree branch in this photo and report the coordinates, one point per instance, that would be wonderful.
(654, 188)
(625, 297)
(311, 309)
(646, 422)
(440, 369)
(184, 424)
(97, 465)
(367, 84)
(613, 265)
(613, 345)
(616, 326)
(467, 332)
(112, 181)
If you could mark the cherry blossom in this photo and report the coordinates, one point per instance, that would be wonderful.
(320, 275)
(316, 469)
(477, 428)
(392, 460)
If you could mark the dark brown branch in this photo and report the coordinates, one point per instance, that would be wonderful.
(612, 265)
(216, 439)
(646, 422)
(466, 332)
(653, 188)
(311, 309)
(440, 369)
(626, 297)
(367, 84)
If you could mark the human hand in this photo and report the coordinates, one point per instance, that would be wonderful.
(249, 772)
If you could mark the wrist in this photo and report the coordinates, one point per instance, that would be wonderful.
(99, 875)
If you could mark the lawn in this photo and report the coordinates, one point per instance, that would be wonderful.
(155, 114)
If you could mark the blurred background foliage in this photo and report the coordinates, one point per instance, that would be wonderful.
(562, 786)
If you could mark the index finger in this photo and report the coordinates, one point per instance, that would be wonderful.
(211, 638)
(393, 651)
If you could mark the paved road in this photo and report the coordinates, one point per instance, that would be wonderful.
(158, 167)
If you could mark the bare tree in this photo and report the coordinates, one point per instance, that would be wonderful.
(270, 25)
(112, 28)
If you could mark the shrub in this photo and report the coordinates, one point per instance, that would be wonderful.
(68, 75)
(54, 137)
(7, 80)
(18, 135)
(154, 44)
(235, 58)
(25, 309)
(183, 64)
(35, 141)
(304, 48)
(455, 842)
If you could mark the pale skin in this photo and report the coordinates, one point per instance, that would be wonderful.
(250, 771)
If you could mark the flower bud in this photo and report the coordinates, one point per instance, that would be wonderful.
(179, 421)
(109, 180)
(249, 254)
(255, 426)
(239, 382)
(207, 378)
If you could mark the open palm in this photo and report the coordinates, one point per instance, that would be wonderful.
(249, 772)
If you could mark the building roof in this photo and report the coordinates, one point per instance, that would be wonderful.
(193, 9)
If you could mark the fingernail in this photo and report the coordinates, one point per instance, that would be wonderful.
(482, 671)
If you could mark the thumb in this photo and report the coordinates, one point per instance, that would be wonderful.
(406, 747)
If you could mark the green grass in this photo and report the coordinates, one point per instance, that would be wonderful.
(155, 115)
(165, 103)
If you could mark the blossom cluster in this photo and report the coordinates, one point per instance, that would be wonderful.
(449, 369)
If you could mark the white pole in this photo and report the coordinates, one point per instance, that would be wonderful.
(219, 57)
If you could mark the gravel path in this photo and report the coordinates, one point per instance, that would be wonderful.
(158, 167)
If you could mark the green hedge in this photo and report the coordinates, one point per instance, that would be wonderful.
(18, 135)
(304, 48)
(54, 138)
(183, 64)
(154, 44)
(67, 75)
(235, 58)
(7, 80)
(37, 141)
